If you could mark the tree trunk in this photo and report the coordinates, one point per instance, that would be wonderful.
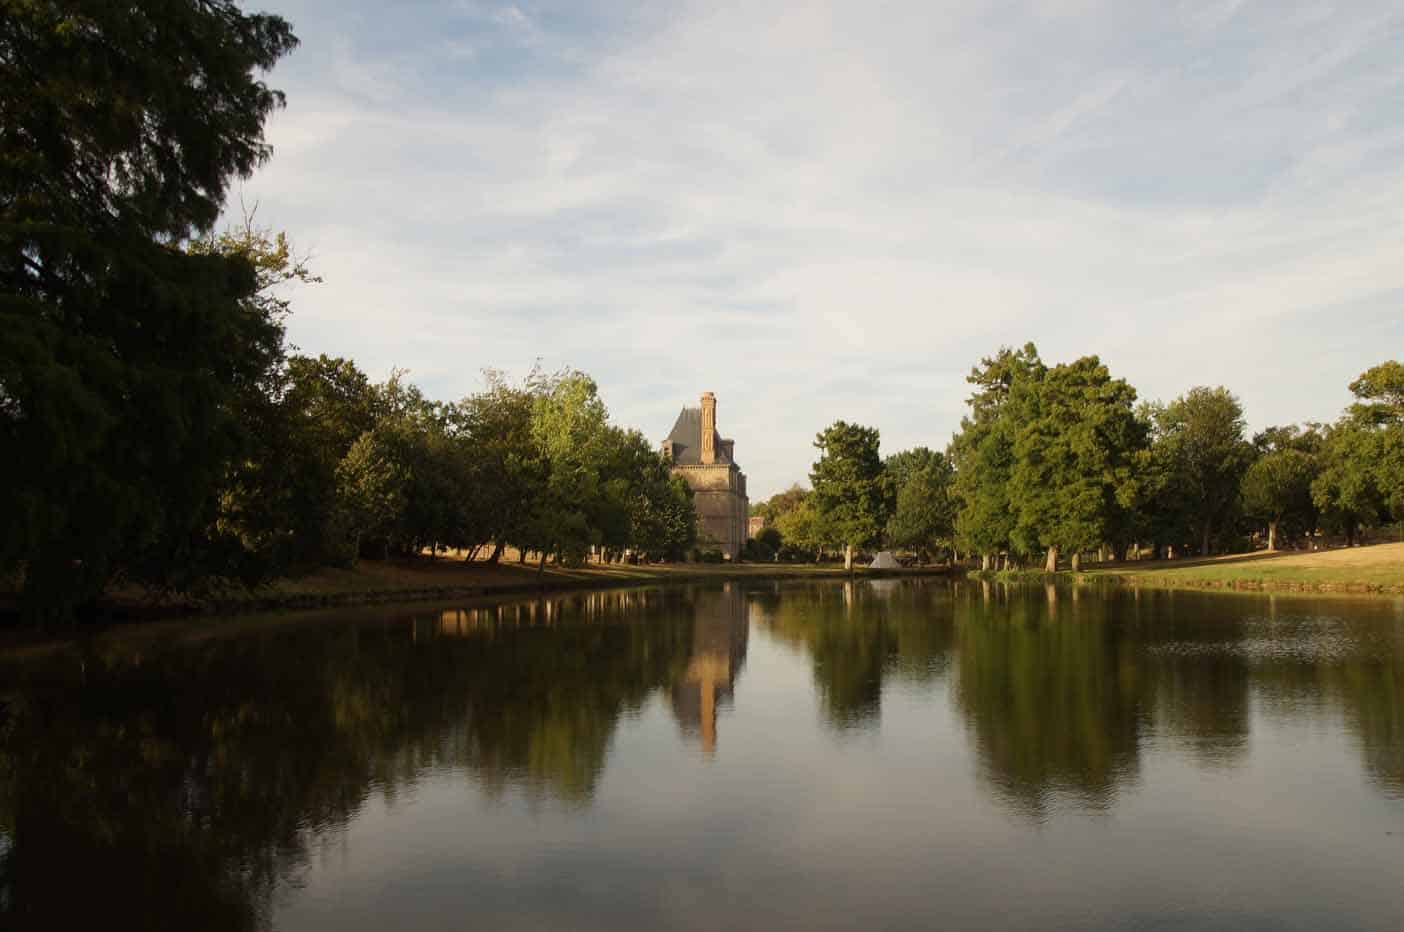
(1204, 541)
(848, 557)
(541, 567)
(1076, 561)
(1272, 535)
(1051, 564)
(985, 562)
(496, 554)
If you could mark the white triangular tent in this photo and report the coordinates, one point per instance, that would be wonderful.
(884, 561)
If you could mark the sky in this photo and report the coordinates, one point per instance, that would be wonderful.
(825, 211)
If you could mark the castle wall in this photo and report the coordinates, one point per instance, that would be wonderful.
(722, 507)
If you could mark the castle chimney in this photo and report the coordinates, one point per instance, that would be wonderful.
(709, 428)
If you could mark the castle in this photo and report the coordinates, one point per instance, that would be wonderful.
(708, 463)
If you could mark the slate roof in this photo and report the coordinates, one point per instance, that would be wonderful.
(686, 436)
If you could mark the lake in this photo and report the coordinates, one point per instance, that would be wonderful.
(882, 754)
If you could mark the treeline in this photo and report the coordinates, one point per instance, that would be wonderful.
(154, 429)
(343, 468)
(858, 500)
(1061, 460)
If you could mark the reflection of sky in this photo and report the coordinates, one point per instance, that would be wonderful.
(792, 823)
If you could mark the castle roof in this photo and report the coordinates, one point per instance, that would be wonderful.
(686, 438)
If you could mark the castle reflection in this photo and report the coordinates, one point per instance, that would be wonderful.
(719, 631)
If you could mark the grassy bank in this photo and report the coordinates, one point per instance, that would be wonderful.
(1378, 568)
(427, 578)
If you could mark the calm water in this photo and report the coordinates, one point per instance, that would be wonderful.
(880, 755)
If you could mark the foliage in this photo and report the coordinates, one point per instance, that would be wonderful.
(1380, 391)
(765, 546)
(800, 535)
(122, 356)
(1277, 489)
(781, 502)
(371, 487)
(851, 498)
(1047, 459)
(982, 453)
(924, 516)
(1075, 450)
(1200, 450)
(1346, 489)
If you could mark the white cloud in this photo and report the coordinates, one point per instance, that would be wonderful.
(832, 210)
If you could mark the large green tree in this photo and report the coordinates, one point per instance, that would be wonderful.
(923, 517)
(568, 432)
(1277, 487)
(982, 453)
(1380, 394)
(1201, 450)
(122, 354)
(1075, 457)
(851, 498)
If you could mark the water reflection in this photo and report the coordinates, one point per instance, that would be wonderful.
(1053, 696)
(857, 634)
(719, 631)
(187, 775)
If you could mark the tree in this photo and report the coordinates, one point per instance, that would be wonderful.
(505, 473)
(799, 531)
(263, 503)
(1201, 449)
(1277, 487)
(765, 546)
(982, 453)
(122, 126)
(901, 466)
(924, 516)
(1380, 391)
(372, 488)
(850, 494)
(1074, 457)
(568, 422)
(1346, 490)
(781, 502)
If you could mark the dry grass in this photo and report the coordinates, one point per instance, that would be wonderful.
(1379, 567)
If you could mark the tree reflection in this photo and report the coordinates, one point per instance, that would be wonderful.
(185, 781)
(1051, 694)
(859, 632)
(182, 778)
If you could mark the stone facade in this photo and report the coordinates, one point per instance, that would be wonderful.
(708, 462)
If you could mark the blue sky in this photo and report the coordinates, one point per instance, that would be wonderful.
(832, 210)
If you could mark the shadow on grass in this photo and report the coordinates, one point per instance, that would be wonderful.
(1235, 559)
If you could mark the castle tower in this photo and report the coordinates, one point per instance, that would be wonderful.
(709, 428)
(708, 462)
